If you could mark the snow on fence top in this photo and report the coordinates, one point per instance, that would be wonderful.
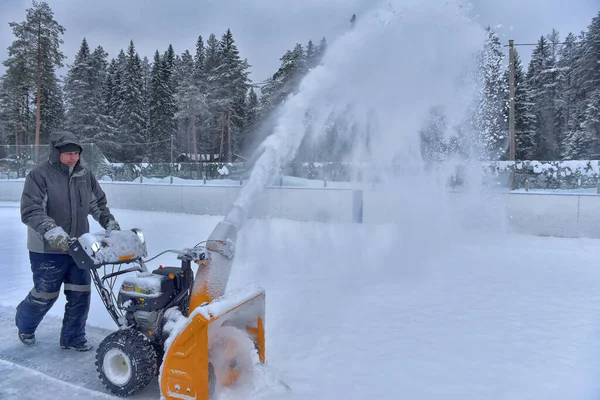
(588, 168)
(549, 174)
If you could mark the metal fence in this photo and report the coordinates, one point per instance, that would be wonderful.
(575, 175)
(209, 171)
(17, 161)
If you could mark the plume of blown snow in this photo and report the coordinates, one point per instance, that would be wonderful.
(378, 82)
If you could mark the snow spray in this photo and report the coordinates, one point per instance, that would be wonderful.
(380, 80)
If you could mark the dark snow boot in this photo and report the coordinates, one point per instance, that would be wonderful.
(84, 346)
(27, 338)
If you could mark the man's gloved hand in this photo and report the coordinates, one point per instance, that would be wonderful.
(58, 238)
(112, 226)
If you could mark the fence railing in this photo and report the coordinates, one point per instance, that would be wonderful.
(548, 175)
(17, 161)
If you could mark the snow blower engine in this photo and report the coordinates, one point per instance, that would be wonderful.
(171, 324)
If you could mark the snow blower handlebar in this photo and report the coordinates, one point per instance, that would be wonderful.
(93, 250)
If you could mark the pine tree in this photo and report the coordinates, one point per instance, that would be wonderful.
(320, 51)
(52, 112)
(192, 105)
(251, 122)
(287, 78)
(130, 114)
(83, 92)
(569, 102)
(311, 55)
(200, 56)
(590, 62)
(489, 123)
(162, 106)
(108, 139)
(156, 113)
(231, 76)
(212, 134)
(433, 147)
(36, 51)
(525, 118)
(16, 114)
(201, 126)
(146, 91)
(541, 77)
(170, 108)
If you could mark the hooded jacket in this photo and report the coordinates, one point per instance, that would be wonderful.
(56, 196)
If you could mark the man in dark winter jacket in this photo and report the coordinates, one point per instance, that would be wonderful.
(58, 196)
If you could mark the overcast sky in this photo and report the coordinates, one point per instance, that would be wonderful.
(263, 29)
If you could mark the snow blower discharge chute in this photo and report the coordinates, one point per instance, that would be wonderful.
(173, 324)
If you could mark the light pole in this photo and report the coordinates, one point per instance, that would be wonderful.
(511, 88)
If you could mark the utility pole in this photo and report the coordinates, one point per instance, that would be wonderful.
(511, 87)
(172, 137)
(228, 135)
(222, 137)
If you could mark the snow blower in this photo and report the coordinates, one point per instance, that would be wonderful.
(172, 324)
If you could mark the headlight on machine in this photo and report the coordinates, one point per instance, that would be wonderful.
(140, 234)
(95, 247)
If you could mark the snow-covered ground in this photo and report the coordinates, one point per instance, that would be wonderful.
(360, 311)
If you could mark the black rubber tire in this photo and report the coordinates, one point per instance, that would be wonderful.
(160, 354)
(142, 360)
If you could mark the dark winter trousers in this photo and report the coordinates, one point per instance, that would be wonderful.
(50, 271)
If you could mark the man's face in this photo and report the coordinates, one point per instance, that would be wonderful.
(69, 159)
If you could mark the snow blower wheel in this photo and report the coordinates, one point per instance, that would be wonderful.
(126, 362)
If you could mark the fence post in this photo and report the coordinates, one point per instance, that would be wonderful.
(357, 206)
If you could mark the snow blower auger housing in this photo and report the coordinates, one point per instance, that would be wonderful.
(172, 324)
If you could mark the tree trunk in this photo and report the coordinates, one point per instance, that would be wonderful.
(222, 139)
(38, 119)
(195, 139)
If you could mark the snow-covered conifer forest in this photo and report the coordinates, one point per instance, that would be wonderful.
(132, 105)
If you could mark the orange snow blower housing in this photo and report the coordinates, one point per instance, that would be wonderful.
(187, 366)
(208, 339)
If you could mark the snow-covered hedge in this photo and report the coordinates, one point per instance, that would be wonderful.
(549, 174)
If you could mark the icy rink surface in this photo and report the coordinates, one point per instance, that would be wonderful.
(360, 312)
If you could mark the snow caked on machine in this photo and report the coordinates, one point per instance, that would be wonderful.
(173, 324)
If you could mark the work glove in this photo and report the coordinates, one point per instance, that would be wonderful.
(112, 226)
(58, 238)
